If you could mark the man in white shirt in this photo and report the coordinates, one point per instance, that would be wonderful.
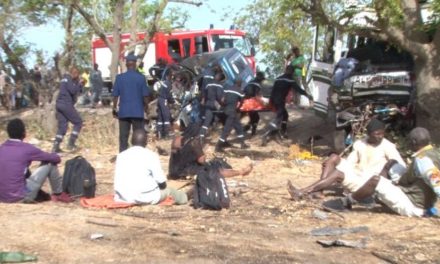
(368, 158)
(139, 177)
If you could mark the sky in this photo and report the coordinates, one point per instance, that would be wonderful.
(50, 37)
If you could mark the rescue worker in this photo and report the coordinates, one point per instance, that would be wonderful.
(140, 68)
(131, 95)
(232, 100)
(278, 95)
(163, 111)
(212, 101)
(156, 71)
(253, 90)
(70, 88)
(96, 83)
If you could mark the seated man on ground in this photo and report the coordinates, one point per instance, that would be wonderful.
(417, 190)
(17, 183)
(187, 156)
(369, 157)
(139, 177)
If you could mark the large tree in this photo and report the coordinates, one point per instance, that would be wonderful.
(15, 16)
(399, 22)
(143, 14)
(274, 27)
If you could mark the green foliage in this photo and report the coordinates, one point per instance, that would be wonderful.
(275, 26)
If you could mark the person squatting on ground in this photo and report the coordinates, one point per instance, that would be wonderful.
(139, 177)
(417, 190)
(369, 157)
(212, 101)
(17, 183)
(163, 111)
(283, 84)
(70, 88)
(253, 90)
(96, 83)
(187, 156)
(231, 103)
(130, 100)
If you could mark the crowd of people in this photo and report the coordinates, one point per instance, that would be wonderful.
(373, 168)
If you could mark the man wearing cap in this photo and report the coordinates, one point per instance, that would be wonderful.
(130, 100)
(370, 157)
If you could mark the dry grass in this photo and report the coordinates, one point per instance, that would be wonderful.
(262, 226)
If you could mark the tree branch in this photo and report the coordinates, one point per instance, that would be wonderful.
(189, 2)
(93, 23)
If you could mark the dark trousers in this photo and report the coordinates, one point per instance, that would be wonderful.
(66, 113)
(125, 125)
(163, 117)
(280, 120)
(232, 122)
(254, 118)
(209, 116)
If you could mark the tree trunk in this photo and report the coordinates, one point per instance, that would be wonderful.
(116, 45)
(428, 96)
(69, 49)
(133, 26)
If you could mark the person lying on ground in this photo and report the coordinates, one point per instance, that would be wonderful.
(139, 177)
(17, 183)
(368, 158)
(417, 190)
(188, 158)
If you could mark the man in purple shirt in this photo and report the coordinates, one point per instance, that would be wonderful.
(16, 185)
(70, 88)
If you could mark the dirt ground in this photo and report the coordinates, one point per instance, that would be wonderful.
(262, 226)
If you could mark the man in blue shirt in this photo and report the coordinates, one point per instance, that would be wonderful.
(130, 94)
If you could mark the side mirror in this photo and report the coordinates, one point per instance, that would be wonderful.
(253, 51)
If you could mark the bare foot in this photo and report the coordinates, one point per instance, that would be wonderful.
(247, 170)
(317, 195)
(295, 193)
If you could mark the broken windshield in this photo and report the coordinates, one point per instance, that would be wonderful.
(229, 41)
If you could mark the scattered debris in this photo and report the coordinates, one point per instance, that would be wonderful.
(336, 231)
(296, 153)
(16, 257)
(102, 223)
(96, 236)
(388, 257)
(343, 243)
(320, 214)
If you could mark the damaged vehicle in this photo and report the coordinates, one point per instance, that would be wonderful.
(188, 76)
(354, 79)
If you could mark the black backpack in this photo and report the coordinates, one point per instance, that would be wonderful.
(210, 190)
(79, 178)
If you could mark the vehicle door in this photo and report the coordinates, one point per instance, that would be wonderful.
(320, 71)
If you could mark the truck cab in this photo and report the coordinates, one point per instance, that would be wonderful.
(175, 47)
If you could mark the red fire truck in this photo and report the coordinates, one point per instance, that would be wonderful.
(177, 45)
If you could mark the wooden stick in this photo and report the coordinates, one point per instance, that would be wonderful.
(101, 223)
